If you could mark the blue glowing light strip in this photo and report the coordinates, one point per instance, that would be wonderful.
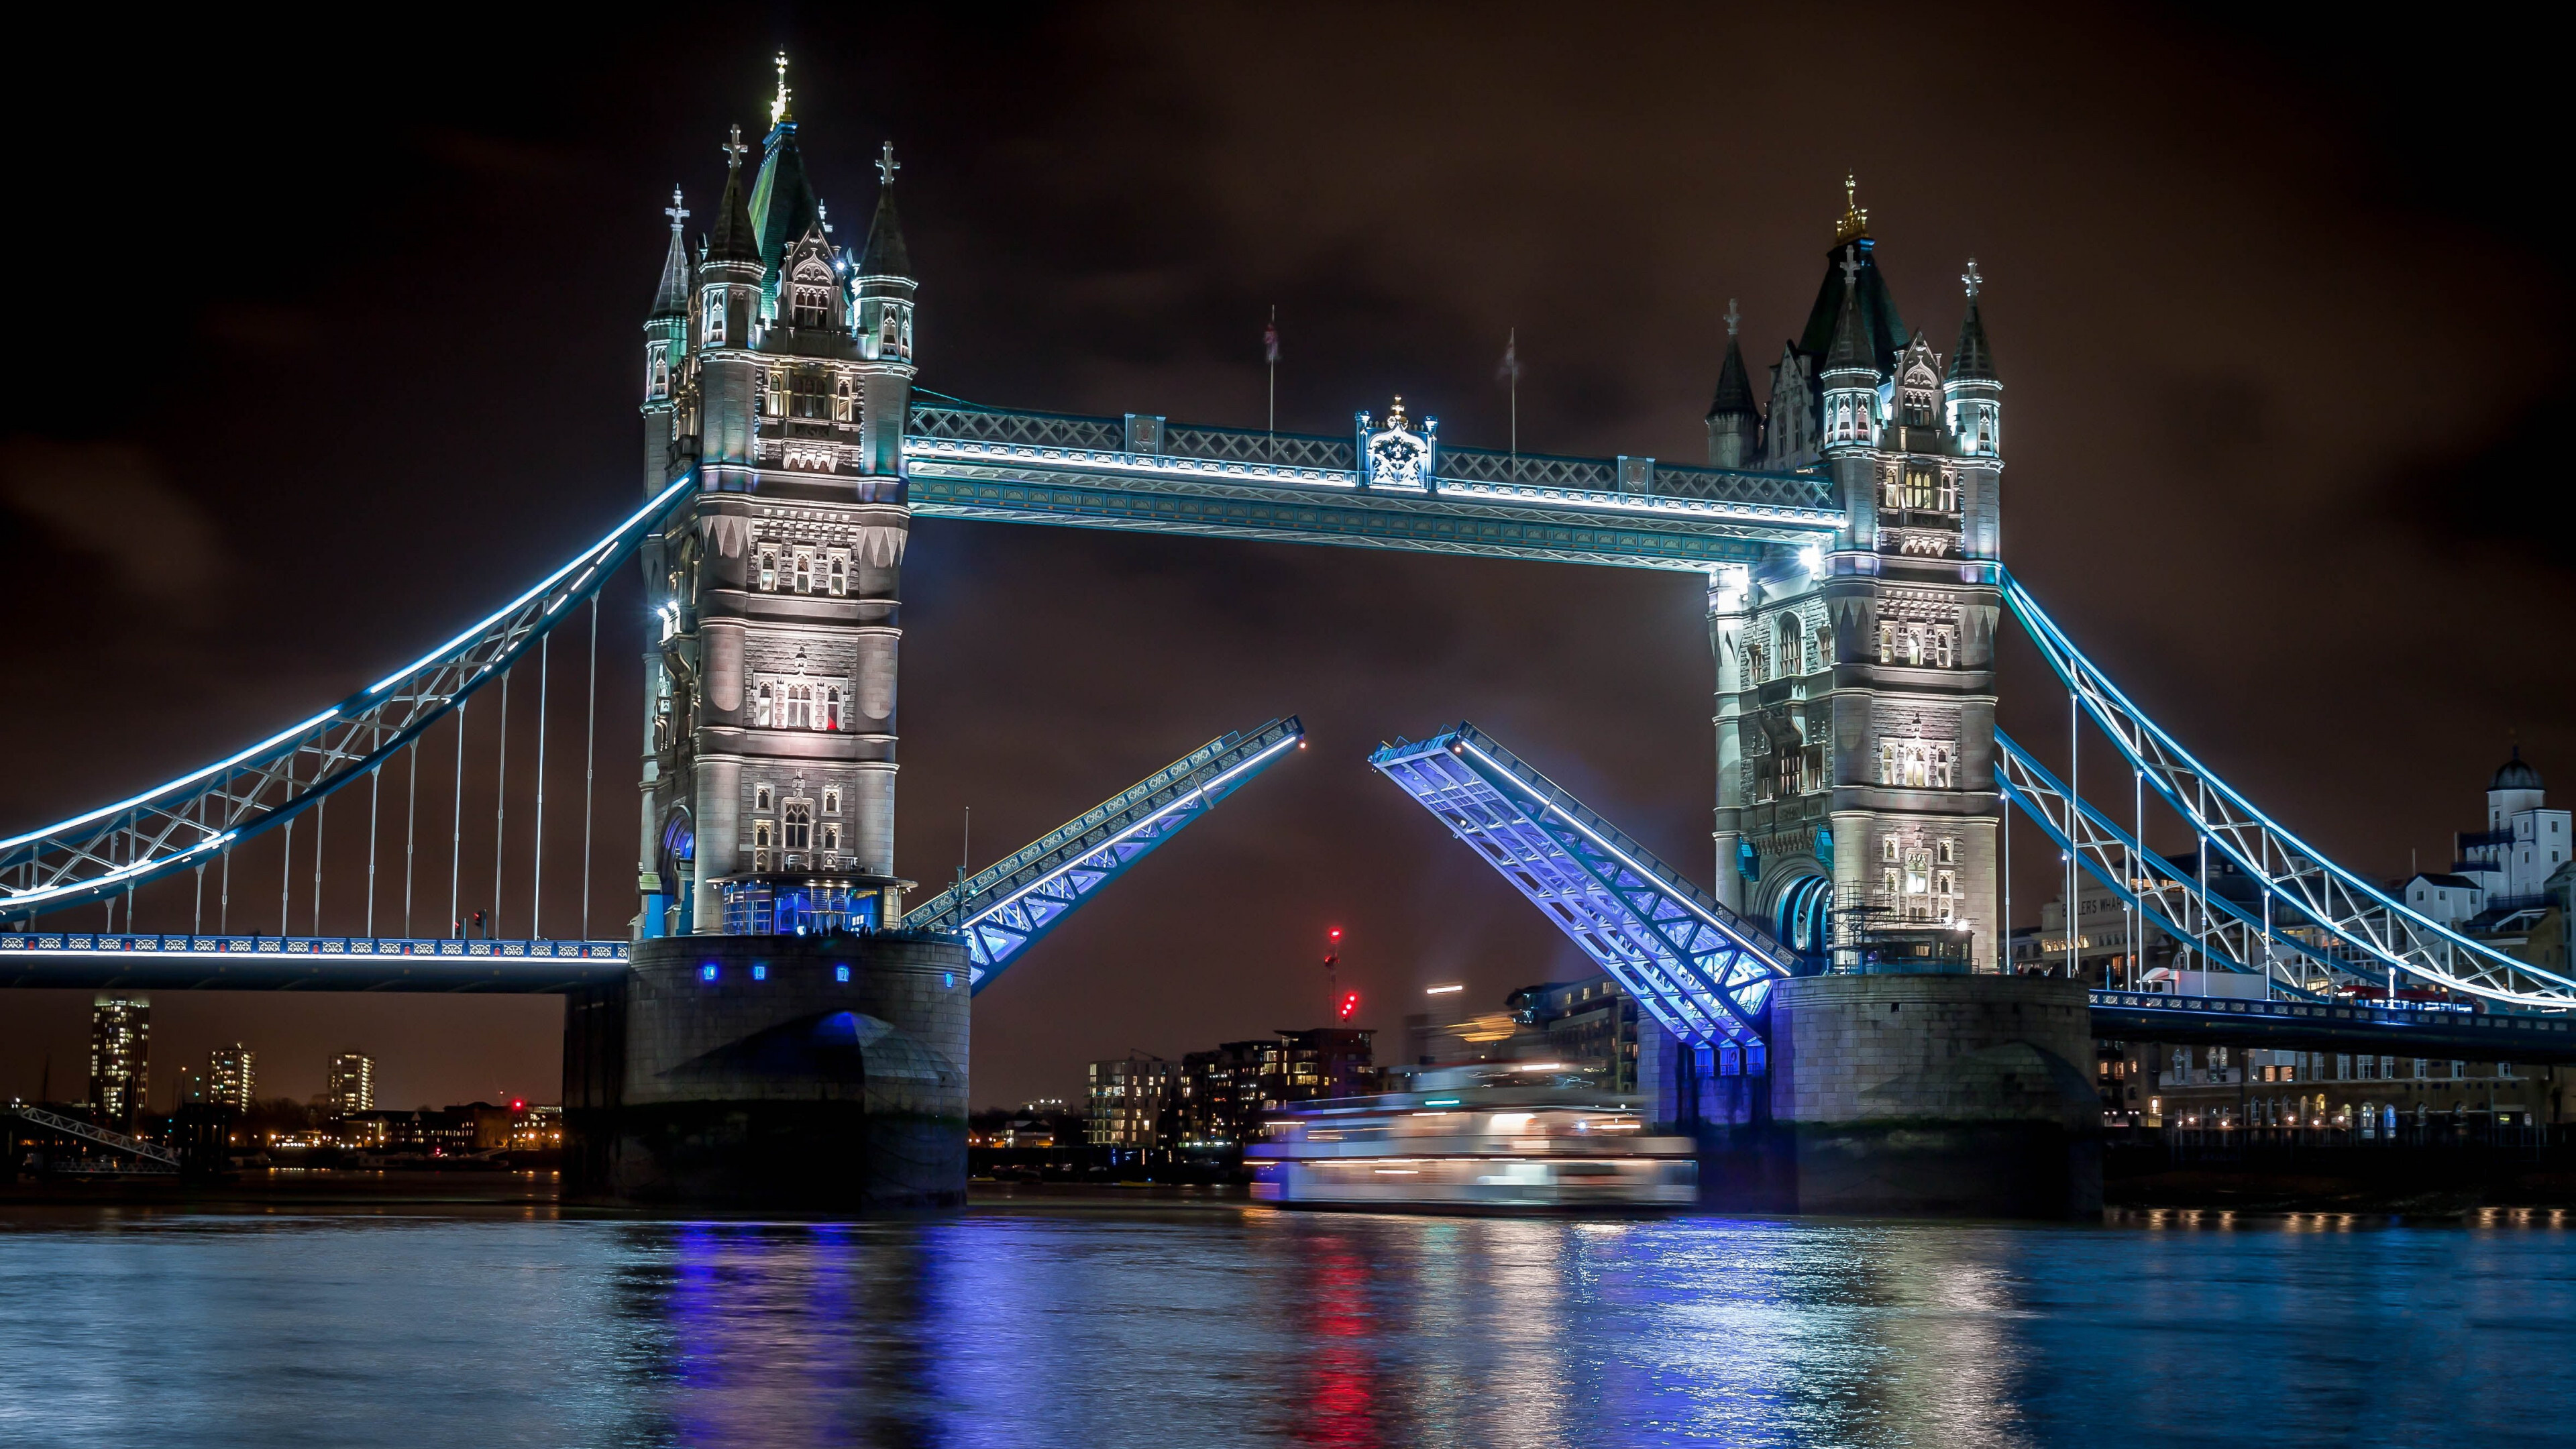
(140, 949)
(1194, 800)
(170, 802)
(2082, 675)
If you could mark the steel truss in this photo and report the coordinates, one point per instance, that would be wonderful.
(161, 1158)
(1005, 909)
(1699, 969)
(2365, 926)
(189, 821)
(1011, 467)
(2166, 896)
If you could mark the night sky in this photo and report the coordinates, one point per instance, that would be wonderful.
(326, 344)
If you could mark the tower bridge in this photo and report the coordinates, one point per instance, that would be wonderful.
(775, 1002)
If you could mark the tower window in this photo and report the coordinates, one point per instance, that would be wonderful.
(840, 577)
(761, 798)
(832, 708)
(769, 571)
(810, 400)
(832, 800)
(714, 326)
(831, 835)
(813, 307)
(765, 710)
(844, 402)
(804, 573)
(800, 825)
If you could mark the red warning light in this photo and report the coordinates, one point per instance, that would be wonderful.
(1334, 935)
(518, 1104)
(1350, 1004)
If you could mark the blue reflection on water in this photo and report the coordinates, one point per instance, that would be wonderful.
(1215, 1327)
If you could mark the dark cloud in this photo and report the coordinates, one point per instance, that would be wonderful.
(111, 501)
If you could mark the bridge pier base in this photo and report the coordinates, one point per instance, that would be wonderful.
(821, 1074)
(1909, 1095)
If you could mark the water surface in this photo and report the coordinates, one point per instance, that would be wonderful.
(1220, 1326)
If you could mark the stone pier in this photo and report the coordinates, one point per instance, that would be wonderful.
(1930, 1094)
(817, 1073)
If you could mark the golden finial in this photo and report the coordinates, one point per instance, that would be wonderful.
(1395, 414)
(1855, 222)
(778, 107)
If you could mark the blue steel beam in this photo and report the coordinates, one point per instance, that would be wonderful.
(1699, 969)
(2397, 1029)
(302, 963)
(1025, 467)
(2373, 926)
(189, 821)
(1008, 907)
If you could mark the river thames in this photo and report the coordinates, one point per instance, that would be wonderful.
(1223, 1325)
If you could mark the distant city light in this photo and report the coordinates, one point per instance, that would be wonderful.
(840, 973)
(761, 973)
(1443, 990)
(707, 972)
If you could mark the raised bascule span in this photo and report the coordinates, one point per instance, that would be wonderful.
(1010, 905)
(1699, 969)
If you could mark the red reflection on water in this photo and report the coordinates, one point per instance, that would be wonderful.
(1343, 1399)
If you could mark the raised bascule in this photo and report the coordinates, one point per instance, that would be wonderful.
(782, 1024)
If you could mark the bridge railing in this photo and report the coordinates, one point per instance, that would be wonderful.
(1567, 479)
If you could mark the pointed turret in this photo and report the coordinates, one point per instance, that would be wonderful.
(1850, 374)
(734, 238)
(671, 298)
(1972, 391)
(1734, 420)
(885, 255)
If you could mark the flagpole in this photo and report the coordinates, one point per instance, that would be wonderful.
(1512, 350)
(1270, 358)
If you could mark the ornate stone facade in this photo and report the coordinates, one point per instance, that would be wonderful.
(778, 366)
(1855, 698)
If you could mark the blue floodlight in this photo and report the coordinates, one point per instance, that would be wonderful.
(707, 972)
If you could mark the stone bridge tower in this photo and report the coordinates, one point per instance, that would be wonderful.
(779, 365)
(1856, 811)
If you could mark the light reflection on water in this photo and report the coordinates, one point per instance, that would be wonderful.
(1214, 1327)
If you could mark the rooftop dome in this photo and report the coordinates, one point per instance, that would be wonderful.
(2515, 775)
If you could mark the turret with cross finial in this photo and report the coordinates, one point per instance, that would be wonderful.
(1973, 393)
(1734, 421)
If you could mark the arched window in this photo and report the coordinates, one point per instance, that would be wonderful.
(840, 577)
(769, 570)
(831, 835)
(800, 825)
(800, 706)
(714, 328)
(813, 307)
(804, 574)
(764, 710)
(832, 800)
(843, 402)
(761, 799)
(832, 707)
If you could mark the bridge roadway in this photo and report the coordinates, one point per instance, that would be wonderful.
(73, 960)
(1142, 474)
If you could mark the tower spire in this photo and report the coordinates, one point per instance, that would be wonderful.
(733, 239)
(1855, 218)
(1734, 422)
(671, 299)
(1972, 360)
(885, 254)
(778, 115)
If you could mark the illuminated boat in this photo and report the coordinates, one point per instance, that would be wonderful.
(1493, 1137)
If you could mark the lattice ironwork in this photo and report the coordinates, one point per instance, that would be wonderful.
(2374, 926)
(999, 425)
(1536, 470)
(1786, 490)
(161, 1158)
(1004, 909)
(1699, 969)
(188, 821)
(1285, 450)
